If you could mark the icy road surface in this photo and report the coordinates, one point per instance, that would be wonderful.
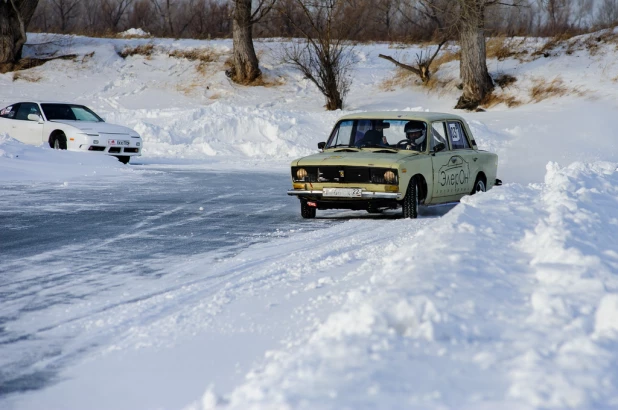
(119, 294)
(72, 252)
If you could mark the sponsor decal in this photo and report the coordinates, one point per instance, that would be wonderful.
(455, 174)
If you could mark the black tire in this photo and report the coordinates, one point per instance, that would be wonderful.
(124, 159)
(479, 186)
(411, 201)
(58, 141)
(306, 211)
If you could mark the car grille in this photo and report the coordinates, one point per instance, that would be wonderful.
(344, 174)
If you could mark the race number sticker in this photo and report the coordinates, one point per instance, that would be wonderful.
(455, 132)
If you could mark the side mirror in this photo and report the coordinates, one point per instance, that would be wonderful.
(321, 145)
(35, 117)
(439, 147)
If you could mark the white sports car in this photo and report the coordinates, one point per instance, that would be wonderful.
(68, 126)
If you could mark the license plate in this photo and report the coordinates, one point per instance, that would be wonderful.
(343, 192)
(118, 142)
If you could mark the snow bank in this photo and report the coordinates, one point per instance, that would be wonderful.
(134, 32)
(20, 162)
(507, 301)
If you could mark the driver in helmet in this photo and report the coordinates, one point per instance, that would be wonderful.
(416, 135)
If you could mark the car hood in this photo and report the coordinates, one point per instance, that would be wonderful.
(98, 127)
(367, 157)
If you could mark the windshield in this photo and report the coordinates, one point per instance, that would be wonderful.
(69, 112)
(381, 133)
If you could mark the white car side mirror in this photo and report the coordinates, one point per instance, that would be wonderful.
(35, 117)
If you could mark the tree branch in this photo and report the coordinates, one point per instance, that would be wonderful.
(401, 65)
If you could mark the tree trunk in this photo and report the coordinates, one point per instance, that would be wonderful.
(15, 15)
(473, 66)
(333, 96)
(246, 67)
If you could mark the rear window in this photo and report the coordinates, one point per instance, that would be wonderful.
(9, 112)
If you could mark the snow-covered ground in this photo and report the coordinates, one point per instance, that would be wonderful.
(509, 300)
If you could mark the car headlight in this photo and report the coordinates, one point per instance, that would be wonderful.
(301, 174)
(384, 176)
(390, 177)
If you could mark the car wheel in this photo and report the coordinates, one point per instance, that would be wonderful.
(479, 186)
(307, 211)
(410, 201)
(124, 158)
(58, 141)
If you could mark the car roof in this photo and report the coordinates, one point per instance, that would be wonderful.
(43, 102)
(404, 115)
(57, 102)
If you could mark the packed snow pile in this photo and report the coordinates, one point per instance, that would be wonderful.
(20, 162)
(134, 32)
(510, 300)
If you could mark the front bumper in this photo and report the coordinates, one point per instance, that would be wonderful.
(122, 145)
(365, 195)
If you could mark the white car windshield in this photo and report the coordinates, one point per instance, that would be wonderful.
(379, 133)
(69, 112)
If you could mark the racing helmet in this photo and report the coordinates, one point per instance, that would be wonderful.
(415, 132)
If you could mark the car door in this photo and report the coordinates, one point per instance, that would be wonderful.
(451, 166)
(442, 190)
(24, 129)
(463, 163)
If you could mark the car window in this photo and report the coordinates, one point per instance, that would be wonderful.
(362, 127)
(375, 133)
(438, 130)
(69, 112)
(25, 109)
(84, 114)
(341, 134)
(9, 112)
(457, 135)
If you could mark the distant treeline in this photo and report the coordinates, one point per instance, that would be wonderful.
(387, 20)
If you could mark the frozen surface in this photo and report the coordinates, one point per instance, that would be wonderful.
(508, 300)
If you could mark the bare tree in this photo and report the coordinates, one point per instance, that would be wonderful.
(210, 19)
(423, 62)
(114, 11)
(607, 14)
(473, 62)
(15, 15)
(164, 10)
(141, 15)
(558, 12)
(325, 57)
(246, 66)
(174, 16)
(436, 16)
(66, 11)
